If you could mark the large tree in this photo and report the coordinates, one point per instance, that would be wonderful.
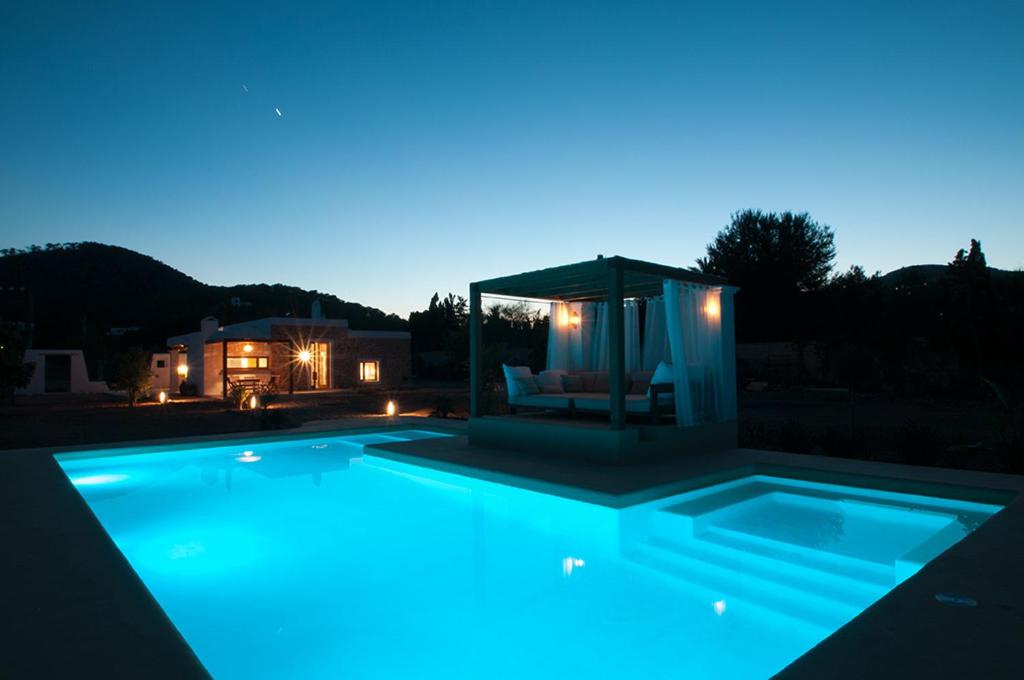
(785, 250)
(774, 258)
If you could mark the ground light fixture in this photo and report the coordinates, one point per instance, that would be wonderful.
(253, 402)
(162, 397)
(391, 409)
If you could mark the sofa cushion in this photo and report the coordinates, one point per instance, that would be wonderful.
(550, 382)
(635, 403)
(526, 387)
(640, 381)
(559, 401)
(587, 381)
(572, 383)
(513, 372)
(600, 382)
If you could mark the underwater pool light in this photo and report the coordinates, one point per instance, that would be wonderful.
(95, 480)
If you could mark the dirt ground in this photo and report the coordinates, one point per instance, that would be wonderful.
(913, 430)
(875, 427)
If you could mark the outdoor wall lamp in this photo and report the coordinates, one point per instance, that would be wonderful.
(712, 308)
(574, 319)
(183, 371)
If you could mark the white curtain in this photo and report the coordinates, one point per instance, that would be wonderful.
(578, 336)
(581, 335)
(693, 324)
(632, 340)
(559, 329)
(676, 298)
(656, 347)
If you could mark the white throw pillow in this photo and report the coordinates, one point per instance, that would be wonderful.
(663, 374)
(550, 382)
(513, 372)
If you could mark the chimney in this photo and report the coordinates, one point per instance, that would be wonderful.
(208, 327)
(317, 311)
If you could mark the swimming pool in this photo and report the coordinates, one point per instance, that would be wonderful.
(314, 558)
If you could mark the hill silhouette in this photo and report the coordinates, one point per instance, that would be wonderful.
(933, 273)
(74, 294)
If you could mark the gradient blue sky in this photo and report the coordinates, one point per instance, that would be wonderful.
(424, 145)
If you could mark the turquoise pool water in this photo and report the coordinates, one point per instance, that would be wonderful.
(311, 558)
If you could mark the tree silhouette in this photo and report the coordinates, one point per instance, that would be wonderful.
(773, 258)
(14, 372)
(784, 251)
(971, 312)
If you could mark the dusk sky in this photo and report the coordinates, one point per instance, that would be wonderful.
(381, 151)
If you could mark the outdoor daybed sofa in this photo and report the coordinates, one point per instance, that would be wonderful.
(586, 391)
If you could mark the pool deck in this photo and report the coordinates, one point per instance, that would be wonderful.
(74, 606)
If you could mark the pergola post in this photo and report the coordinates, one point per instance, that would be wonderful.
(727, 332)
(475, 350)
(616, 349)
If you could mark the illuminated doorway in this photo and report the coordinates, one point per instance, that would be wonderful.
(321, 376)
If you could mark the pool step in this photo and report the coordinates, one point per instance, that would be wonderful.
(735, 582)
(680, 528)
(846, 567)
(829, 583)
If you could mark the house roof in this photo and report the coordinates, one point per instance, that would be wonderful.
(262, 329)
(588, 281)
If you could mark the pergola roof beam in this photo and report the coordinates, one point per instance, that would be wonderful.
(588, 281)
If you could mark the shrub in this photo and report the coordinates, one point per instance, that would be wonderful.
(442, 406)
(14, 371)
(131, 373)
(237, 394)
(267, 394)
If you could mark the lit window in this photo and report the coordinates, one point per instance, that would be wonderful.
(248, 362)
(369, 371)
